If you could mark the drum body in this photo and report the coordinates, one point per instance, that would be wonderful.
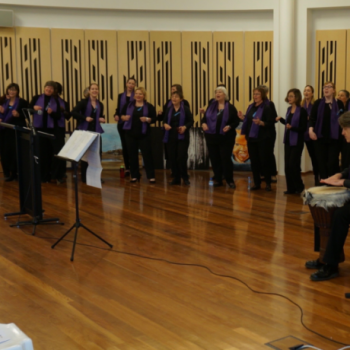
(323, 202)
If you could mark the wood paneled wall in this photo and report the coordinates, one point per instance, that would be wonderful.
(197, 60)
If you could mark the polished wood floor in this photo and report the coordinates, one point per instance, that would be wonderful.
(107, 299)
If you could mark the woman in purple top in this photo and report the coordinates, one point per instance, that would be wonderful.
(48, 119)
(89, 115)
(257, 127)
(137, 117)
(11, 106)
(344, 95)
(219, 125)
(124, 99)
(325, 131)
(296, 125)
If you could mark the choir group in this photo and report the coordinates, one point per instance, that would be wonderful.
(309, 122)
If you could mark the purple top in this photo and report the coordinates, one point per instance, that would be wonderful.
(254, 130)
(38, 119)
(123, 100)
(334, 119)
(211, 116)
(7, 115)
(85, 124)
(182, 122)
(130, 111)
(293, 135)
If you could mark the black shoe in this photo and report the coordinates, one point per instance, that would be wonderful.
(288, 192)
(102, 181)
(127, 173)
(299, 191)
(268, 188)
(217, 184)
(152, 181)
(326, 272)
(135, 180)
(186, 182)
(273, 179)
(232, 185)
(314, 264)
(60, 181)
(175, 182)
(254, 188)
(10, 178)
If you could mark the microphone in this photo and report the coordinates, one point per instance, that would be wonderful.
(33, 111)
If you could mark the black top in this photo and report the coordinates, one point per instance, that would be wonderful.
(233, 121)
(264, 131)
(119, 106)
(345, 175)
(136, 125)
(165, 107)
(300, 129)
(19, 121)
(54, 115)
(78, 113)
(326, 125)
(175, 119)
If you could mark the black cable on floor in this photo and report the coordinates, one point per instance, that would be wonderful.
(215, 274)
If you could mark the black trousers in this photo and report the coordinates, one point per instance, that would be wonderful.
(51, 167)
(340, 227)
(8, 152)
(260, 159)
(143, 143)
(220, 154)
(292, 167)
(345, 153)
(84, 165)
(272, 141)
(327, 153)
(177, 153)
(310, 145)
(124, 146)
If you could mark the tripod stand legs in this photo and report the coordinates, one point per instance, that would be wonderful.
(35, 222)
(77, 225)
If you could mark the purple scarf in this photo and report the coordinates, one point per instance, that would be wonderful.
(130, 111)
(293, 135)
(7, 115)
(182, 122)
(254, 130)
(85, 124)
(38, 118)
(61, 122)
(123, 103)
(334, 119)
(211, 116)
(308, 109)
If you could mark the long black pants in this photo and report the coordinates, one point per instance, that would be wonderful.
(260, 159)
(220, 154)
(292, 167)
(310, 145)
(345, 153)
(8, 152)
(124, 146)
(272, 141)
(143, 143)
(177, 153)
(327, 153)
(340, 227)
(51, 167)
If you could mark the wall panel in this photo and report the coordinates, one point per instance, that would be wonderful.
(33, 51)
(7, 58)
(330, 59)
(197, 70)
(165, 50)
(228, 64)
(347, 60)
(258, 63)
(68, 62)
(101, 67)
(134, 59)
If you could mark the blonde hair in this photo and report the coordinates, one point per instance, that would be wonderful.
(313, 97)
(143, 90)
(223, 89)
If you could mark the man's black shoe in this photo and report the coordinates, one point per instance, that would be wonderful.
(314, 264)
(326, 272)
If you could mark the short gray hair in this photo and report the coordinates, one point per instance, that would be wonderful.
(223, 89)
(344, 120)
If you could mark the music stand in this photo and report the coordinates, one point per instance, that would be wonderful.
(78, 222)
(30, 196)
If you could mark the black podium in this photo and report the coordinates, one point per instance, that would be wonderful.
(29, 179)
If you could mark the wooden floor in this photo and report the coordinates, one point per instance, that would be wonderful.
(106, 299)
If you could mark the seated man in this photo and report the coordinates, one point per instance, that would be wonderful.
(341, 219)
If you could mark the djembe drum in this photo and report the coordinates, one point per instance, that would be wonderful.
(323, 202)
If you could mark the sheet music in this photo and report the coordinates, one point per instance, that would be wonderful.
(77, 144)
(4, 336)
